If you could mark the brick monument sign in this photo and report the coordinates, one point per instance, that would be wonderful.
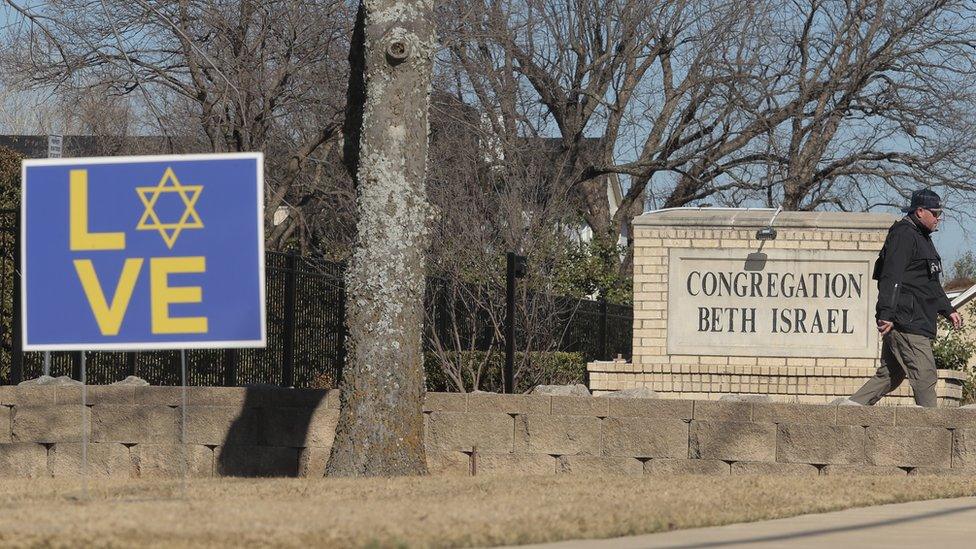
(718, 311)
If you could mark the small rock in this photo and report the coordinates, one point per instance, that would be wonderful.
(746, 398)
(561, 390)
(133, 380)
(633, 392)
(48, 380)
(844, 401)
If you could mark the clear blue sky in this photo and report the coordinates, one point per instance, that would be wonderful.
(954, 238)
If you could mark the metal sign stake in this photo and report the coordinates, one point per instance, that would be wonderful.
(84, 429)
(184, 466)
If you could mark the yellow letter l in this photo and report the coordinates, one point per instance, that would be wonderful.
(81, 239)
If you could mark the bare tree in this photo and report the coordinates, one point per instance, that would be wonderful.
(232, 76)
(381, 430)
(853, 104)
(804, 103)
(491, 196)
(628, 88)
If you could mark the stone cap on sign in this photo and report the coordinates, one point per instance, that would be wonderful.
(749, 218)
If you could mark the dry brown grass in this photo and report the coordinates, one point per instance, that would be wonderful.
(421, 512)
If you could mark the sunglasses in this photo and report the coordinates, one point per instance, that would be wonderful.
(935, 213)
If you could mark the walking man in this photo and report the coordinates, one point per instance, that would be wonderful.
(910, 297)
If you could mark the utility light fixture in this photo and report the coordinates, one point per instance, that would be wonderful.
(768, 232)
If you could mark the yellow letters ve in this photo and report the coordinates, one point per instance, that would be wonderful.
(163, 294)
(81, 239)
(109, 317)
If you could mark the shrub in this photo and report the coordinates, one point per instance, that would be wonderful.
(953, 348)
(538, 368)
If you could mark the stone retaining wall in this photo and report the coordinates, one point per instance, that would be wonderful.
(134, 433)
(532, 434)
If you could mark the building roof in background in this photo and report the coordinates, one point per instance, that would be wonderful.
(958, 285)
(35, 146)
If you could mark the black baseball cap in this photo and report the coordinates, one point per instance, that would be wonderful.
(924, 198)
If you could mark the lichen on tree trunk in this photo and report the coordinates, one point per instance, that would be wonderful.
(380, 430)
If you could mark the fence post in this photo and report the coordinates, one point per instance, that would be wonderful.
(343, 328)
(509, 373)
(130, 363)
(76, 359)
(16, 343)
(230, 367)
(514, 268)
(288, 354)
(602, 344)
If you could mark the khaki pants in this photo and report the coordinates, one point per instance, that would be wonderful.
(902, 355)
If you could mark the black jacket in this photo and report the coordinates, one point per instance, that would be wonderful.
(907, 271)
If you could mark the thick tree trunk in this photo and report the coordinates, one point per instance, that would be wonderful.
(380, 429)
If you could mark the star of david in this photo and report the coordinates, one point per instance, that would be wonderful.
(150, 220)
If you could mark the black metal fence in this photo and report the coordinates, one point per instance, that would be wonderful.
(305, 327)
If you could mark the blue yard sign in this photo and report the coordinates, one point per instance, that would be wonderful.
(157, 252)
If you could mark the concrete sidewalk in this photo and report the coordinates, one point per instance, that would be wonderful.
(941, 524)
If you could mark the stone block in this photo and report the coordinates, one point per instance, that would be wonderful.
(35, 395)
(819, 444)
(445, 402)
(515, 464)
(509, 404)
(131, 424)
(49, 423)
(6, 415)
(794, 413)
(8, 395)
(774, 469)
(450, 463)
(576, 389)
(964, 449)
(732, 441)
(298, 398)
(580, 406)
(723, 411)
(866, 416)
(657, 408)
(462, 431)
(908, 447)
(950, 418)
(230, 396)
(105, 459)
(96, 394)
(645, 437)
(256, 461)
(169, 460)
(861, 470)
(23, 460)
(299, 427)
(562, 435)
(223, 425)
(593, 465)
(677, 467)
(312, 461)
(155, 395)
